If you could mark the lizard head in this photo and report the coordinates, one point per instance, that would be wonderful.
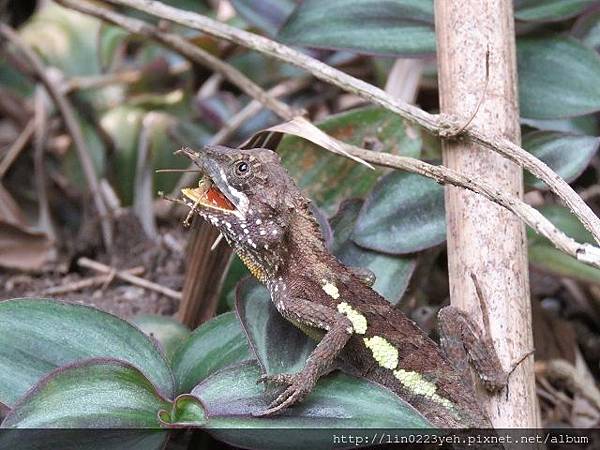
(247, 194)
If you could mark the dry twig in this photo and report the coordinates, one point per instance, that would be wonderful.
(17, 147)
(66, 110)
(439, 125)
(88, 282)
(584, 252)
(123, 275)
(435, 124)
(125, 77)
(39, 170)
(564, 372)
(200, 56)
(185, 48)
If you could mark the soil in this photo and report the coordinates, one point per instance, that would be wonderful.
(162, 261)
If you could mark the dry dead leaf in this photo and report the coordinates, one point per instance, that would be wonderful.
(21, 248)
(9, 210)
(301, 127)
(584, 413)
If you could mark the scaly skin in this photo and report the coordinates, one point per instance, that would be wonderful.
(268, 223)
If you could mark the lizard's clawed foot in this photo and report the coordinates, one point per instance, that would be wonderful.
(299, 385)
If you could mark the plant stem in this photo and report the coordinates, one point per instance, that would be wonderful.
(444, 126)
(66, 110)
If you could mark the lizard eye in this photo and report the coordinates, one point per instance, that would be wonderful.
(242, 169)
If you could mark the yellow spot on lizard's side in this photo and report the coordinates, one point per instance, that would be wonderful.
(331, 290)
(416, 384)
(359, 322)
(384, 353)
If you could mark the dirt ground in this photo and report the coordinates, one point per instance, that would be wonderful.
(161, 260)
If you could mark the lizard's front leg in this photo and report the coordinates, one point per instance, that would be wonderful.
(338, 330)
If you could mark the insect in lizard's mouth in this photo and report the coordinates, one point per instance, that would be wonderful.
(209, 196)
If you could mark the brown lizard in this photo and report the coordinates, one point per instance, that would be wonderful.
(249, 196)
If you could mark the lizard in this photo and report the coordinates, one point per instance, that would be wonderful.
(263, 215)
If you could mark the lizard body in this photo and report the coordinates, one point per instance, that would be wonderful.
(256, 205)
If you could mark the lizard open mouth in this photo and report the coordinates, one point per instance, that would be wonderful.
(209, 196)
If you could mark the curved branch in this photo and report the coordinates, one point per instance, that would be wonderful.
(443, 126)
(584, 252)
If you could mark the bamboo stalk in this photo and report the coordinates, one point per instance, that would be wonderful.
(475, 36)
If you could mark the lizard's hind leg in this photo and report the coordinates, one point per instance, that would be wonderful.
(463, 341)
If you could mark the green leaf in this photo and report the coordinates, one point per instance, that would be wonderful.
(566, 154)
(13, 80)
(65, 38)
(186, 411)
(162, 147)
(328, 178)
(123, 124)
(263, 70)
(549, 259)
(277, 344)
(71, 165)
(110, 39)
(39, 335)
(575, 125)
(558, 77)
(403, 214)
(549, 10)
(212, 346)
(166, 330)
(232, 396)
(543, 255)
(96, 393)
(393, 27)
(268, 15)
(587, 29)
(392, 272)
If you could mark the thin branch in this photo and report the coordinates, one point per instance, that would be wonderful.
(584, 252)
(185, 48)
(563, 371)
(87, 283)
(125, 77)
(444, 126)
(532, 217)
(123, 275)
(66, 110)
(39, 170)
(17, 147)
